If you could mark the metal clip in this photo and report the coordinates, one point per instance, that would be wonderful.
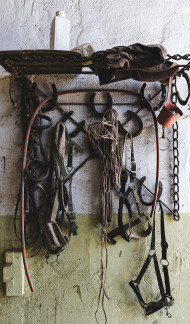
(163, 133)
(168, 313)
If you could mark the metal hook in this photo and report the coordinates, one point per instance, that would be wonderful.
(53, 101)
(138, 121)
(139, 189)
(163, 132)
(78, 129)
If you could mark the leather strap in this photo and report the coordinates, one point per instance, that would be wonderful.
(55, 237)
(133, 167)
(149, 107)
(126, 236)
(116, 231)
(28, 132)
(163, 97)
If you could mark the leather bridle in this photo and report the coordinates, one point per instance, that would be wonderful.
(145, 103)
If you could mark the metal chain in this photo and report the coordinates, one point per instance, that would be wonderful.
(175, 157)
(178, 57)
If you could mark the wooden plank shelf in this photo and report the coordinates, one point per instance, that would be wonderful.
(41, 62)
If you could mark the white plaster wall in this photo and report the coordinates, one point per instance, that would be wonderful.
(25, 24)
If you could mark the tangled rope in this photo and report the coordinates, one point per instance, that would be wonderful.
(103, 137)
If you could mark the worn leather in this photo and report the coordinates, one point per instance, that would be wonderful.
(139, 62)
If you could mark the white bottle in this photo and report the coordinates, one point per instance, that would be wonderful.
(60, 32)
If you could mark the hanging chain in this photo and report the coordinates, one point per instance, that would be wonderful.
(178, 57)
(175, 157)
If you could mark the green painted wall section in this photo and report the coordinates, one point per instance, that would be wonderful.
(68, 292)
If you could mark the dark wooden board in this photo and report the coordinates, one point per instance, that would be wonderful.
(41, 62)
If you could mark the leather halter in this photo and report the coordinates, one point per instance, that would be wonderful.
(28, 131)
(122, 228)
(148, 106)
(54, 236)
(166, 297)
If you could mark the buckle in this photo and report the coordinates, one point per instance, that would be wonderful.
(133, 167)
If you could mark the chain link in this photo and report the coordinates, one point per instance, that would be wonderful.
(178, 57)
(175, 156)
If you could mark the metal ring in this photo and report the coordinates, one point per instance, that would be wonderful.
(176, 217)
(152, 252)
(43, 166)
(161, 149)
(164, 262)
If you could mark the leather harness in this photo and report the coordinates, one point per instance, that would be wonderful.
(145, 103)
(144, 63)
(166, 299)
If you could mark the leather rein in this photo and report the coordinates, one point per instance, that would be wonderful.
(145, 103)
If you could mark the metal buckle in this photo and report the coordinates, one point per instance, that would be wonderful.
(133, 167)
